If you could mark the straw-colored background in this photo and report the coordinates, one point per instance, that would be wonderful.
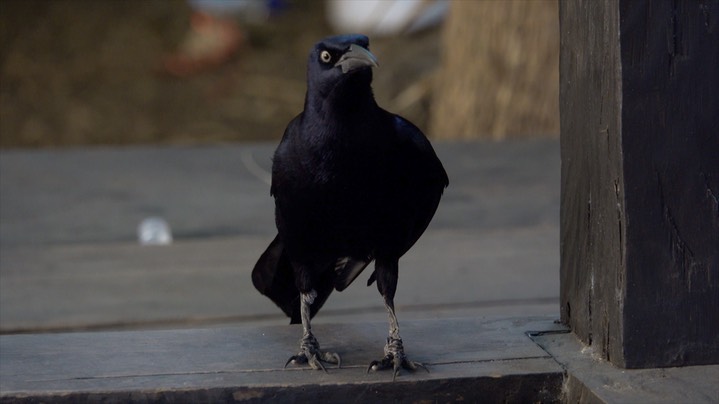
(85, 72)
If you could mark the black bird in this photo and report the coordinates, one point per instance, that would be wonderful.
(352, 183)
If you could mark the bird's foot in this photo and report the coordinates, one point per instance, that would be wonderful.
(311, 354)
(394, 358)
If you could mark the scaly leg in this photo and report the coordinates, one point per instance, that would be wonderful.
(394, 356)
(309, 347)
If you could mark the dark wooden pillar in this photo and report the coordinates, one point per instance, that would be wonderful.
(639, 112)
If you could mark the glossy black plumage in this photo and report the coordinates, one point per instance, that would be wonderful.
(352, 183)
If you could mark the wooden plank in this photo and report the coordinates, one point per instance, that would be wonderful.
(466, 358)
(80, 267)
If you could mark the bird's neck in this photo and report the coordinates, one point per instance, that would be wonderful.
(345, 106)
(348, 96)
(340, 125)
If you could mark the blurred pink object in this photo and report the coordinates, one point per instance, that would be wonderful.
(211, 42)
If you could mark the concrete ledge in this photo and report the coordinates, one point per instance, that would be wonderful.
(593, 380)
(470, 359)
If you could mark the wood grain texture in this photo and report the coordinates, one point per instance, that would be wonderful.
(640, 218)
(468, 359)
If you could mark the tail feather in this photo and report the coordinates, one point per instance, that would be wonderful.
(274, 277)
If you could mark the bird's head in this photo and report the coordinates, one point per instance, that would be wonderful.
(340, 66)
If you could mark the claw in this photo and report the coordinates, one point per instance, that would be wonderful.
(316, 364)
(399, 363)
(314, 358)
(374, 365)
(332, 357)
(419, 365)
(296, 359)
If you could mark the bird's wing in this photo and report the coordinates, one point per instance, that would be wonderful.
(419, 144)
(421, 182)
(291, 134)
(347, 269)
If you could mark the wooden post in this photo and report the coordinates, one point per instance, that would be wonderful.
(639, 112)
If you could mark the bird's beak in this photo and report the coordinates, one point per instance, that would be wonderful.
(356, 57)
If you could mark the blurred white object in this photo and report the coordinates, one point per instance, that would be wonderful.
(385, 17)
(154, 231)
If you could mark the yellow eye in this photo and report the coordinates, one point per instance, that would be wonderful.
(325, 56)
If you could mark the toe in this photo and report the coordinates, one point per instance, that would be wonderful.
(332, 357)
(415, 365)
(316, 364)
(296, 359)
(398, 363)
(384, 363)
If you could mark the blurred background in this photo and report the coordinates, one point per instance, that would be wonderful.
(221, 79)
(82, 72)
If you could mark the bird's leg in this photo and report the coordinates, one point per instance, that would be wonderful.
(394, 357)
(310, 352)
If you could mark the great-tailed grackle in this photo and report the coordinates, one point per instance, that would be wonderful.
(352, 183)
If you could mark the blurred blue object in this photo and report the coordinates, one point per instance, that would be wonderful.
(385, 17)
(247, 9)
